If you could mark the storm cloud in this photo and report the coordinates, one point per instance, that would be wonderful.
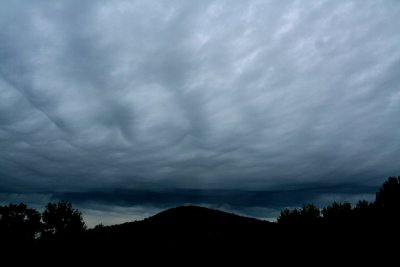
(100, 98)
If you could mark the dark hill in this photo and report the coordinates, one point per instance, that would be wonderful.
(195, 215)
(202, 234)
(186, 225)
(189, 230)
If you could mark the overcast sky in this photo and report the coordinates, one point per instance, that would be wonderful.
(128, 107)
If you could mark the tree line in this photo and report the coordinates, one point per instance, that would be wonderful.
(60, 221)
(385, 209)
(19, 223)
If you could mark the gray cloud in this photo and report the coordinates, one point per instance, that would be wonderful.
(174, 95)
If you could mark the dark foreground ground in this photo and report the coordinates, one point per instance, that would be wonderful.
(191, 235)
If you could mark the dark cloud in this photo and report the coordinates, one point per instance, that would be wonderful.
(175, 95)
(234, 198)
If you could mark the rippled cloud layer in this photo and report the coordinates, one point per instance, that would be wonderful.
(198, 95)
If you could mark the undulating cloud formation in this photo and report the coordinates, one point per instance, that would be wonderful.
(214, 102)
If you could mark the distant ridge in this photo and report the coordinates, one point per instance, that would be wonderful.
(199, 215)
(186, 223)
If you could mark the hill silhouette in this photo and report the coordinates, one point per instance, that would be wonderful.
(185, 227)
(338, 231)
(202, 219)
(202, 234)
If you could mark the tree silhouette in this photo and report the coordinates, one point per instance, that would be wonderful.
(289, 216)
(388, 196)
(388, 199)
(337, 213)
(385, 209)
(60, 219)
(365, 212)
(19, 223)
(307, 214)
